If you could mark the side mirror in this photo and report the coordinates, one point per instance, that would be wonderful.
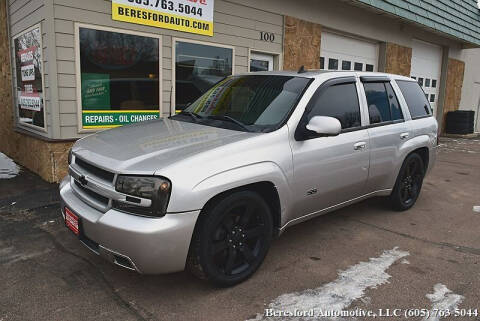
(324, 125)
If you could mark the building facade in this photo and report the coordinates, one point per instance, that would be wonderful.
(70, 68)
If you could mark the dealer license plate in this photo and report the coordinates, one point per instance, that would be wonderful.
(71, 221)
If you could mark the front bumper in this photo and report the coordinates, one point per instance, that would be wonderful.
(147, 245)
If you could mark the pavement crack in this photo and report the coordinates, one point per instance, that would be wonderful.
(140, 313)
(458, 248)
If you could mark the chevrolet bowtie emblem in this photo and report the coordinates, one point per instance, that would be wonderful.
(83, 180)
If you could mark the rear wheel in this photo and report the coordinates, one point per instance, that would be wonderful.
(409, 183)
(232, 239)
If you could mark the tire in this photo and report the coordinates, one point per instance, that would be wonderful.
(409, 183)
(232, 239)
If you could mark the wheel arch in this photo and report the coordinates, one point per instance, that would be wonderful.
(266, 189)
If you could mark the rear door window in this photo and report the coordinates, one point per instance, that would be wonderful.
(378, 104)
(415, 97)
(394, 104)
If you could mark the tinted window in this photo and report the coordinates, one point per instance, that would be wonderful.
(378, 104)
(416, 100)
(394, 104)
(339, 101)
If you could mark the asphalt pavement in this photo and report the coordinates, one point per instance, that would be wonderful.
(364, 258)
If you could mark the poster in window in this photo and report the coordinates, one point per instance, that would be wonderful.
(29, 79)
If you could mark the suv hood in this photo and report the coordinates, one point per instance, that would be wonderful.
(146, 147)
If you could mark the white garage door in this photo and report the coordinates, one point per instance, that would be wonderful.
(346, 53)
(427, 68)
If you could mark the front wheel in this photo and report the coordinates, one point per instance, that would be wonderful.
(409, 183)
(232, 239)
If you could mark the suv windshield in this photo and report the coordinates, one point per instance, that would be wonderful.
(256, 103)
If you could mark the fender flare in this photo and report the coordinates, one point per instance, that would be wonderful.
(237, 177)
(422, 141)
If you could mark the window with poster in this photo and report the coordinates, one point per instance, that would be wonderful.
(119, 76)
(28, 78)
(198, 67)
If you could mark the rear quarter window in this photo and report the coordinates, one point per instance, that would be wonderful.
(415, 97)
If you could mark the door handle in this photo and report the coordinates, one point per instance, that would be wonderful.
(359, 145)
(404, 135)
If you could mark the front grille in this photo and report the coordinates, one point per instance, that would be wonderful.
(97, 197)
(94, 170)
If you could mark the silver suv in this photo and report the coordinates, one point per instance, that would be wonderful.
(210, 187)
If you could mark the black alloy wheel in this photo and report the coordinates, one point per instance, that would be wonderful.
(409, 183)
(233, 239)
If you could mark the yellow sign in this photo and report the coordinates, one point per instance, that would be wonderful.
(194, 16)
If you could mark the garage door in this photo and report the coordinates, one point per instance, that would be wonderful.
(427, 68)
(340, 52)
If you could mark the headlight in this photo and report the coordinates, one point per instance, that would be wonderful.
(156, 189)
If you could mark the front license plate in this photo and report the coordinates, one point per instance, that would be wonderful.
(71, 221)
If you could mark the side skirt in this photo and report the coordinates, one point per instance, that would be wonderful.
(383, 192)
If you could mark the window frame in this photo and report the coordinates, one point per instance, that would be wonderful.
(381, 79)
(78, 72)
(18, 123)
(406, 103)
(299, 130)
(277, 58)
(206, 43)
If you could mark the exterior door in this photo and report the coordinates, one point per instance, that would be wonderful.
(261, 62)
(387, 131)
(331, 170)
(427, 69)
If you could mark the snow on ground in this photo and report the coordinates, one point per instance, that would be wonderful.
(442, 300)
(8, 168)
(338, 295)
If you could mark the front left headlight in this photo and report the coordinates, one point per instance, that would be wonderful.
(156, 189)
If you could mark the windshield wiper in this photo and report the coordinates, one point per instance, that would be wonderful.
(193, 115)
(229, 119)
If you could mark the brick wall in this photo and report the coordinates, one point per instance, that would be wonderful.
(48, 159)
(301, 44)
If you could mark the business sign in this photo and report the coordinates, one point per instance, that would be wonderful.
(29, 82)
(95, 119)
(194, 16)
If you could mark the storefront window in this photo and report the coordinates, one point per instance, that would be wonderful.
(29, 78)
(119, 78)
(197, 68)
